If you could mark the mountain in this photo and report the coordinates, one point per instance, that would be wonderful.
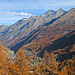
(49, 33)
(64, 47)
(17, 32)
(67, 19)
(47, 49)
(2, 28)
(6, 51)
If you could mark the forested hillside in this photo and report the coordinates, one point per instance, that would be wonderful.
(46, 66)
(40, 45)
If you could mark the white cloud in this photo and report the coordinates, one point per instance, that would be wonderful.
(15, 13)
(23, 14)
(8, 18)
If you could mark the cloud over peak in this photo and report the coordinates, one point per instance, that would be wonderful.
(23, 14)
(15, 13)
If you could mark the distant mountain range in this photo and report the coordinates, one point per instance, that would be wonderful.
(12, 35)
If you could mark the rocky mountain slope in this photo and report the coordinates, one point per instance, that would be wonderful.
(15, 33)
(2, 28)
(7, 51)
(45, 37)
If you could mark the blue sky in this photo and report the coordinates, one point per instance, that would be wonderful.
(14, 10)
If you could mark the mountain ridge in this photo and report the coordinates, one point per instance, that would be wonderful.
(50, 32)
(13, 34)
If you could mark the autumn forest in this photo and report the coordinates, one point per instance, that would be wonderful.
(39, 45)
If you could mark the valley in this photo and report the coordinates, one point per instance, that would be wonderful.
(39, 45)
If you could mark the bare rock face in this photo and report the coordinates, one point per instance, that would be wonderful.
(2, 28)
(11, 35)
(59, 12)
